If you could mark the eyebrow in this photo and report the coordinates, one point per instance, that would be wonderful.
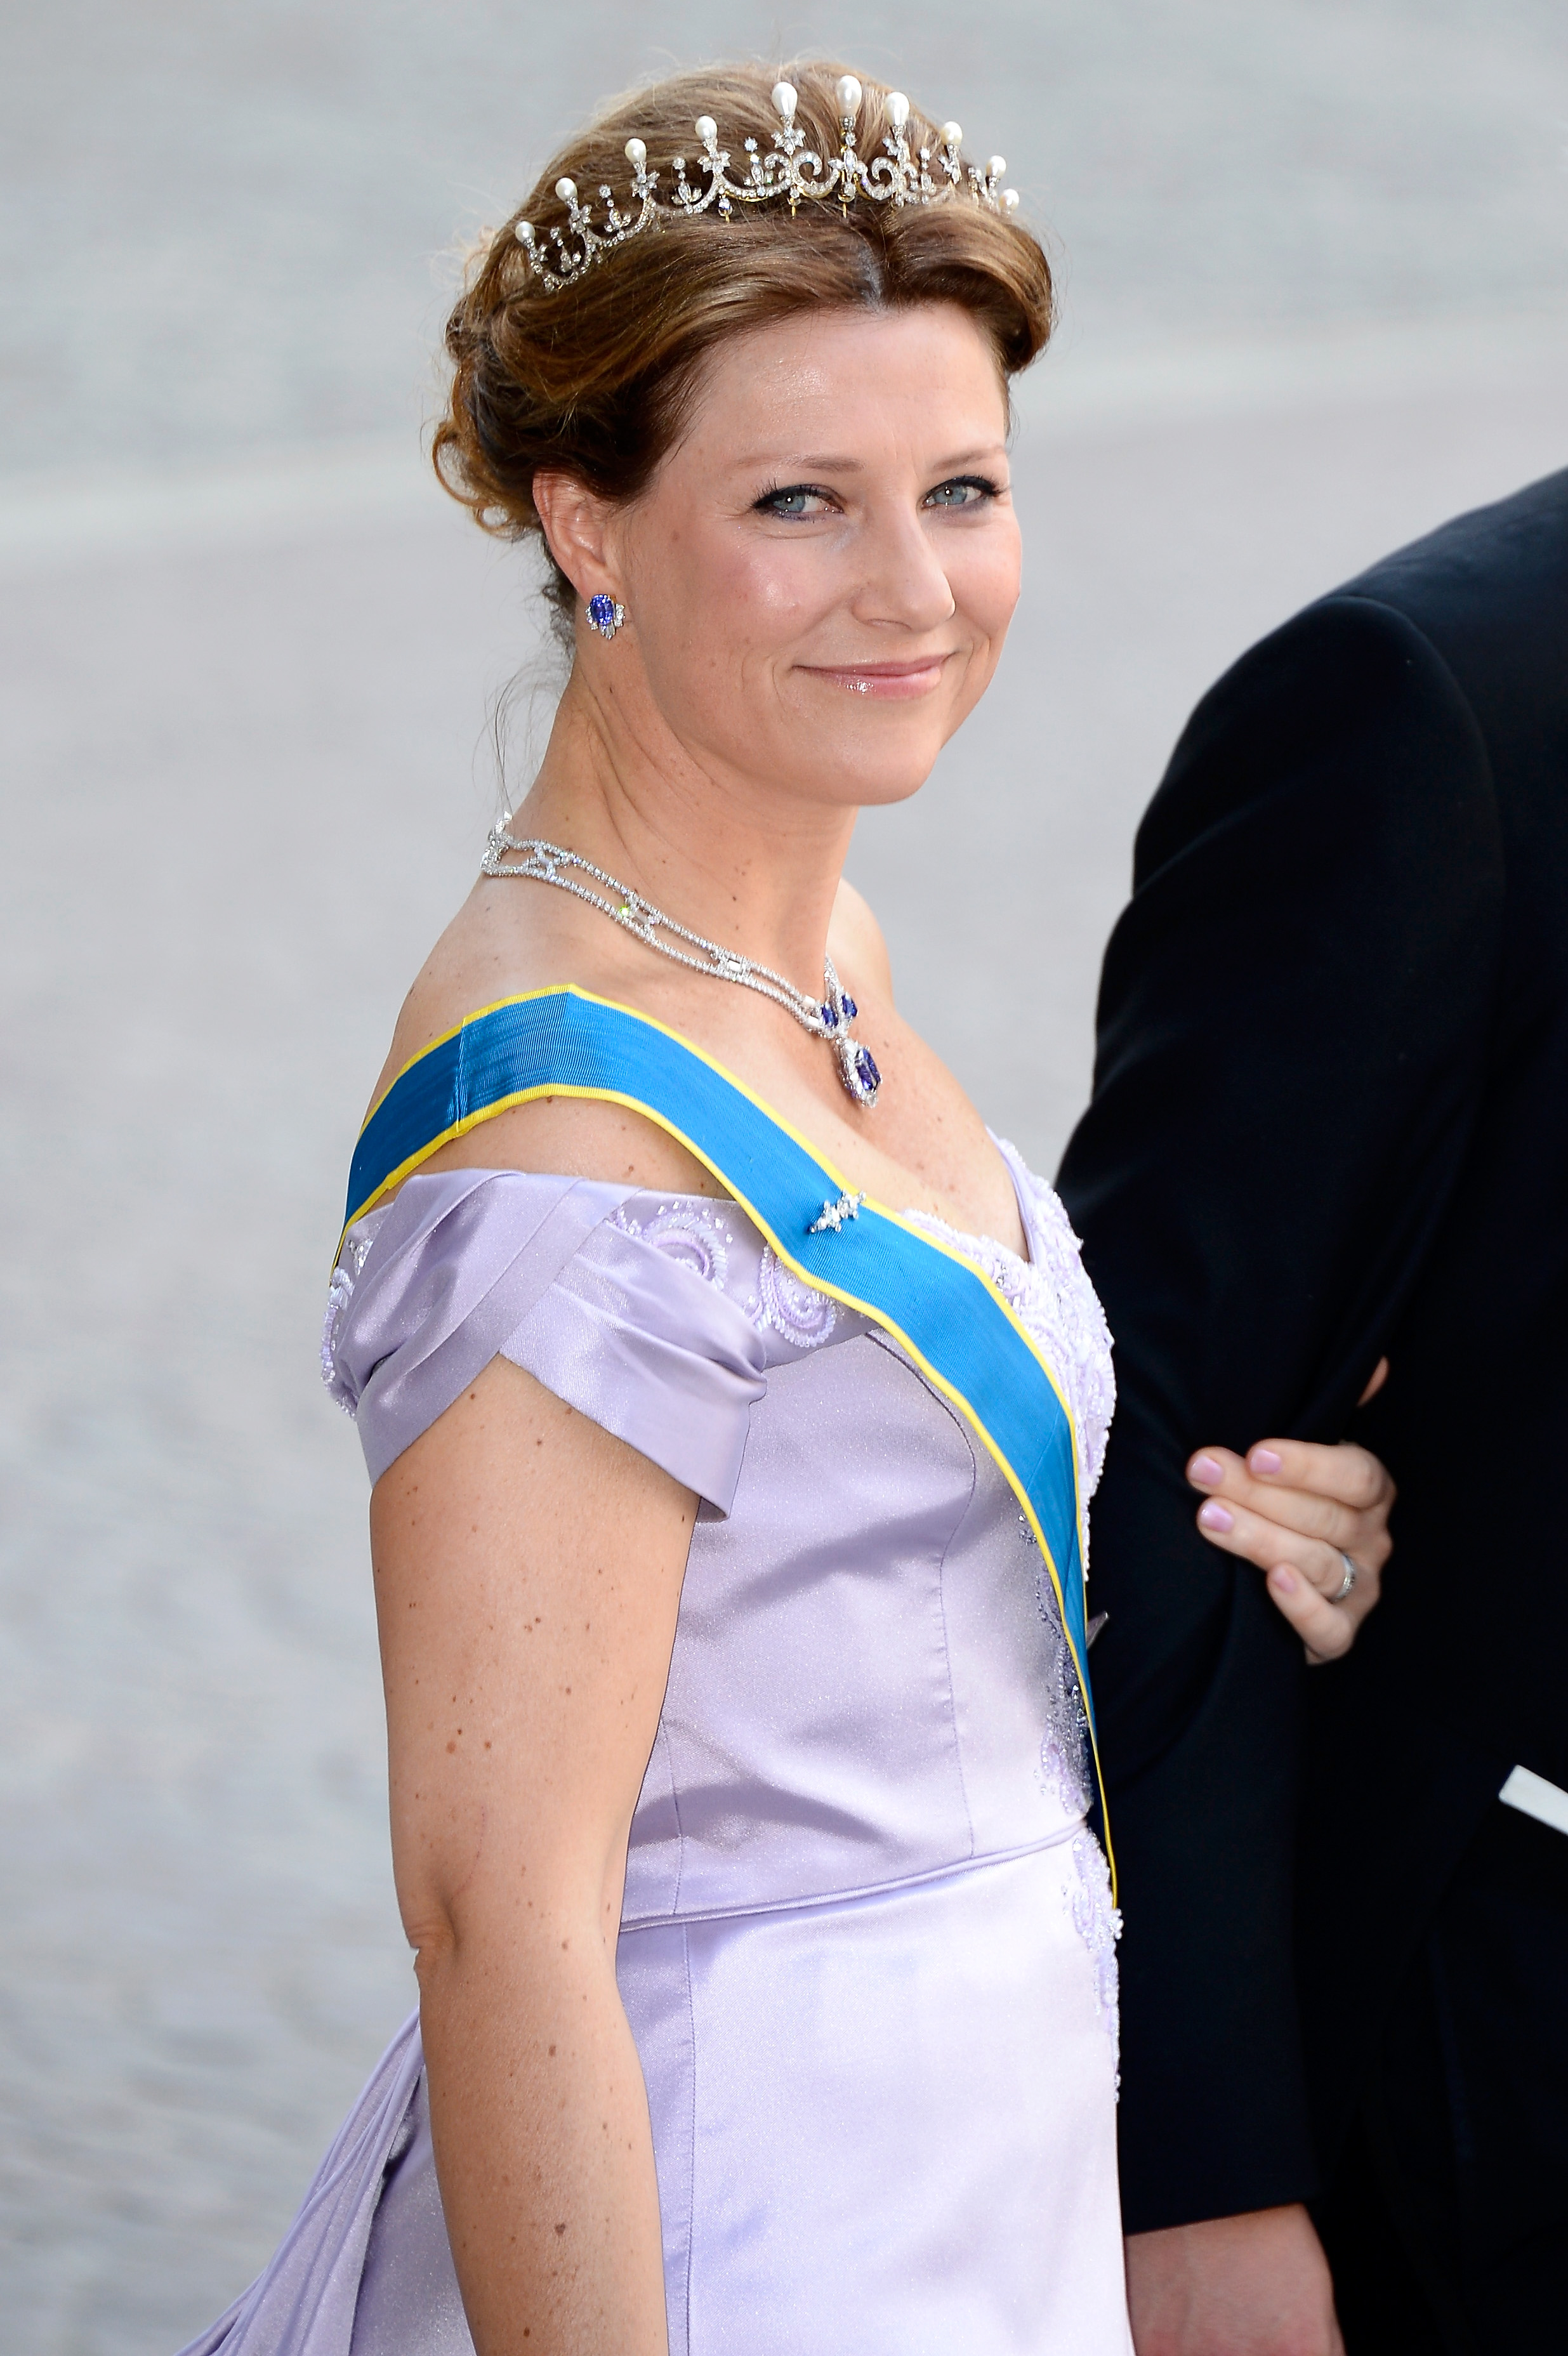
(827, 464)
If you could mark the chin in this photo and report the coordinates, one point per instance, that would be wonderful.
(869, 766)
(880, 784)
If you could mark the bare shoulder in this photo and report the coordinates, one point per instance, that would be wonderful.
(484, 956)
(855, 943)
(477, 961)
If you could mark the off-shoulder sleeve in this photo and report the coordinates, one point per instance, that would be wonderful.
(469, 1265)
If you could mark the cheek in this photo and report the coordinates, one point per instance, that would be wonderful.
(768, 591)
(745, 595)
(720, 619)
(985, 574)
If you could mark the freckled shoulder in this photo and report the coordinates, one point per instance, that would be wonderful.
(451, 983)
(483, 957)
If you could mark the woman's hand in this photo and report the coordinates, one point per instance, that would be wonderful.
(1298, 1511)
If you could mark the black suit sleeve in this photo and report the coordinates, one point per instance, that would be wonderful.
(1292, 1021)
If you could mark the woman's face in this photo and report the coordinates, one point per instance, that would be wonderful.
(822, 572)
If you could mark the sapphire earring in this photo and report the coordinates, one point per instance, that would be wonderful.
(605, 614)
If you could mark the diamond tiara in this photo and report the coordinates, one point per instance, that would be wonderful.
(793, 172)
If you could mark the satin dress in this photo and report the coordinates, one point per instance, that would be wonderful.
(867, 1945)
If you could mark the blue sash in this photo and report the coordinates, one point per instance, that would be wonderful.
(935, 1303)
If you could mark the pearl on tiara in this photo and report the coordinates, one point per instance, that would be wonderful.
(792, 173)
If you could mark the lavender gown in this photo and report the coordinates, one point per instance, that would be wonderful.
(867, 1946)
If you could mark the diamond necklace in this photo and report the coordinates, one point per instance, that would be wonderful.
(828, 1018)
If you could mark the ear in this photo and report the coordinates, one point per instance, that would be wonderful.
(576, 522)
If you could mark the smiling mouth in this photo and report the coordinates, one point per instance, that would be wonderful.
(898, 681)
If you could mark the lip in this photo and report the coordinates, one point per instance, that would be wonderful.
(890, 681)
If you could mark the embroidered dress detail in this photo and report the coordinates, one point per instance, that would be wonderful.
(339, 1293)
(1066, 1769)
(1065, 1312)
(1056, 1303)
(351, 1264)
(786, 1306)
(686, 1233)
(1098, 1921)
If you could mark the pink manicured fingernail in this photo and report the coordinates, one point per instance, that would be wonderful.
(1205, 1473)
(1215, 1516)
(1264, 1459)
(1281, 1580)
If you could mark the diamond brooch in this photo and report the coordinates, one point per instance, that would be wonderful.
(834, 1215)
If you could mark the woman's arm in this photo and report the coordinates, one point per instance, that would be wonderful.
(528, 1571)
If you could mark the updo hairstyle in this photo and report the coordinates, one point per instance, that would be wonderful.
(595, 380)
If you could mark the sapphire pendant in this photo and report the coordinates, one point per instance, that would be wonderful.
(858, 1065)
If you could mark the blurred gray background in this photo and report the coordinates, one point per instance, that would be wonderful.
(1312, 253)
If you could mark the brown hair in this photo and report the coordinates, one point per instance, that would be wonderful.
(595, 379)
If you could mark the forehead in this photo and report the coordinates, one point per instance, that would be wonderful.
(912, 374)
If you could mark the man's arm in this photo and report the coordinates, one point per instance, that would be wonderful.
(1292, 1025)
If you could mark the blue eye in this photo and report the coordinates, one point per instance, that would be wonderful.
(964, 491)
(795, 502)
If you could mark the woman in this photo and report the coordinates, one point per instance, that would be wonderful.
(727, 1526)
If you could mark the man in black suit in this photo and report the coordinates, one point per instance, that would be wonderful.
(1330, 1122)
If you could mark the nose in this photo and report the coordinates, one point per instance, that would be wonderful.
(904, 586)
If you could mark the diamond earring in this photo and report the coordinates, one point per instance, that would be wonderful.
(605, 614)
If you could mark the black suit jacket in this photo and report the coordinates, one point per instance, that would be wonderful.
(1330, 1120)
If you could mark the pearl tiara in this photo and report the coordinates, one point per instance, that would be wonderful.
(925, 175)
